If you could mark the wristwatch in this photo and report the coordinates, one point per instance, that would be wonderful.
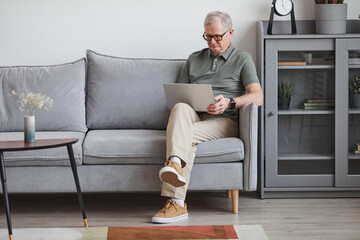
(232, 103)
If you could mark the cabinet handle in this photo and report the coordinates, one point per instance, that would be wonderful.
(271, 114)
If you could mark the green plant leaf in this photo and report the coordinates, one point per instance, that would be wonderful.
(286, 89)
(354, 85)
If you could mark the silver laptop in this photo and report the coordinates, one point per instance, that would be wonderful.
(198, 96)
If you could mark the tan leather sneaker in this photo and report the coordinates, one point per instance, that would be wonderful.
(170, 213)
(173, 174)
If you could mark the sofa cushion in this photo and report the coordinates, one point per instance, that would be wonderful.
(64, 83)
(128, 93)
(44, 157)
(148, 147)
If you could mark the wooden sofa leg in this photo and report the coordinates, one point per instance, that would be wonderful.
(228, 193)
(235, 200)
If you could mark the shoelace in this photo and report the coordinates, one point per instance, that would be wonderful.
(168, 205)
(167, 163)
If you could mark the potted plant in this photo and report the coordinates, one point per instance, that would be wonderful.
(30, 103)
(285, 91)
(330, 16)
(355, 90)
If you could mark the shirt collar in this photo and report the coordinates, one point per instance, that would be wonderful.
(225, 54)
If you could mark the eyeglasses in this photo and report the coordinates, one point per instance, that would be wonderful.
(216, 37)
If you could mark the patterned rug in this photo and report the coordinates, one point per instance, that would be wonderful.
(242, 232)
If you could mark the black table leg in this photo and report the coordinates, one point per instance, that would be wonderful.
(77, 183)
(5, 192)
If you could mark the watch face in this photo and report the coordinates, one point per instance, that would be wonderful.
(283, 7)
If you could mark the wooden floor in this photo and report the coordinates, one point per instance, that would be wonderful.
(288, 219)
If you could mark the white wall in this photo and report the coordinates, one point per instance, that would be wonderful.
(36, 32)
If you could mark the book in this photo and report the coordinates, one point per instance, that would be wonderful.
(319, 104)
(291, 63)
(354, 60)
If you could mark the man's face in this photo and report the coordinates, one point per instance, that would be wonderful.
(216, 28)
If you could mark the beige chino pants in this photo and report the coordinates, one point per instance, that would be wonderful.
(186, 129)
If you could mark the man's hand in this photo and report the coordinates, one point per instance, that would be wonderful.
(219, 107)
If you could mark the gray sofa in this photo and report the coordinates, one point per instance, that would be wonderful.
(117, 109)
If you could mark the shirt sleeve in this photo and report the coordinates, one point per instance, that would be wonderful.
(184, 74)
(248, 72)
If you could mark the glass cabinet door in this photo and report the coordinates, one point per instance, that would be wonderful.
(348, 113)
(300, 136)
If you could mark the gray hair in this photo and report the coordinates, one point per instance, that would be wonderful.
(219, 16)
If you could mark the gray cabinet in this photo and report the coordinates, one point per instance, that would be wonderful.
(308, 150)
(347, 116)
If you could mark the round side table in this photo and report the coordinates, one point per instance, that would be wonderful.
(11, 146)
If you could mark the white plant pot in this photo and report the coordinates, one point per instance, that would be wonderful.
(331, 18)
(29, 129)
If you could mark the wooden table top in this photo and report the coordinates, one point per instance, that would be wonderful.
(20, 145)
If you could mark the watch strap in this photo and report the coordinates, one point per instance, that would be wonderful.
(232, 103)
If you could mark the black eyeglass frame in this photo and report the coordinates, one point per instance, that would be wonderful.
(220, 37)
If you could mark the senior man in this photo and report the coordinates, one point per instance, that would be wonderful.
(234, 81)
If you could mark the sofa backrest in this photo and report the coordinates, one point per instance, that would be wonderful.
(64, 83)
(127, 93)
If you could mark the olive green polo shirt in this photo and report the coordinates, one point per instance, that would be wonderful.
(228, 73)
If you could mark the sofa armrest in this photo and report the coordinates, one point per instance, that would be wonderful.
(248, 133)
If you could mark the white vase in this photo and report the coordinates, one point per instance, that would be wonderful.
(29, 129)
